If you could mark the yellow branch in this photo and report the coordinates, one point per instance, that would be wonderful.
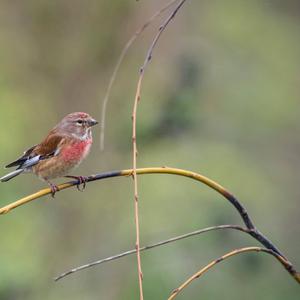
(284, 262)
(141, 171)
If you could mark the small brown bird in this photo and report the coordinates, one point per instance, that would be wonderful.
(66, 145)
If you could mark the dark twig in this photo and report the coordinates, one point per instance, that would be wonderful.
(160, 31)
(171, 240)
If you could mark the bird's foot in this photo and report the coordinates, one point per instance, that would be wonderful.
(53, 188)
(81, 181)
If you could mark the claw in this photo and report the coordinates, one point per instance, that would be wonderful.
(81, 181)
(53, 188)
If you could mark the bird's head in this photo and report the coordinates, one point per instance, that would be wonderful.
(77, 124)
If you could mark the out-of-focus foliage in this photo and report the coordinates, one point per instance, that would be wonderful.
(220, 97)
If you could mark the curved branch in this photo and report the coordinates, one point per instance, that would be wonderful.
(119, 62)
(284, 262)
(140, 171)
(165, 170)
(129, 252)
(162, 170)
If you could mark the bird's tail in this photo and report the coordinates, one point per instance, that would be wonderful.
(11, 175)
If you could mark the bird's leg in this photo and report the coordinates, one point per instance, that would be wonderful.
(81, 180)
(53, 188)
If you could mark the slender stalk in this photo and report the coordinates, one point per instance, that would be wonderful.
(135, 185)
(134, 142)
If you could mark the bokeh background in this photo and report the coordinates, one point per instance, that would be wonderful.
(221, 97)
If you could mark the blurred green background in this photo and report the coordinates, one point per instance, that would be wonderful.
(221, 97)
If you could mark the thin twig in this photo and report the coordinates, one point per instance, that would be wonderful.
(163, 170)
(160, 31)
(284, 262)
(134, 143)
(118, 64)
(161, 243)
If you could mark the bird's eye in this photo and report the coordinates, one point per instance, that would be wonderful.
(79, 122)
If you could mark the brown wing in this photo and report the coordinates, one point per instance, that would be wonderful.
(48, 148)
(50, 145)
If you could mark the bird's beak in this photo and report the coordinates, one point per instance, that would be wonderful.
(92, 122)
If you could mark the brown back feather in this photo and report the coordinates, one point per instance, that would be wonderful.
(45, 148)
(50, 144)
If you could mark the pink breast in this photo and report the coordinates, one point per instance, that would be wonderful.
(76, 151)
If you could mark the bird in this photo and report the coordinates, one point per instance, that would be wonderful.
(63, 149)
